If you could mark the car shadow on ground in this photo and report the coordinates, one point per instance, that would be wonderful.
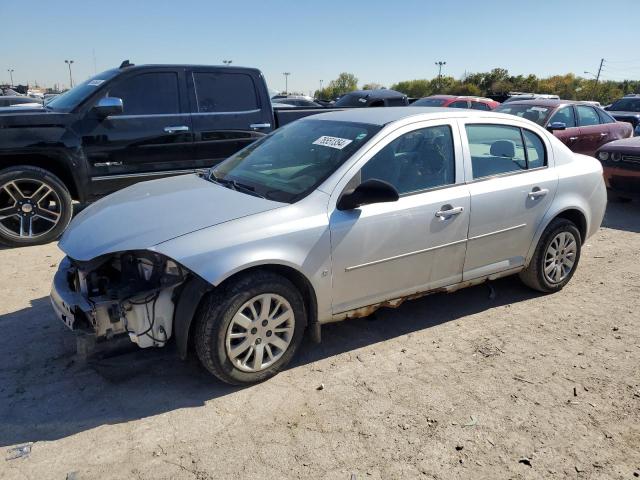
(46, 393)
(623, 215)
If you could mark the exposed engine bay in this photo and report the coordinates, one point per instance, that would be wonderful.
(131, 293)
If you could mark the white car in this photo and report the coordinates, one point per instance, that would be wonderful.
(326, 219)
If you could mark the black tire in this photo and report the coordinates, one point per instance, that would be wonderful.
(59, 206)
(217, 311)
(534, 276)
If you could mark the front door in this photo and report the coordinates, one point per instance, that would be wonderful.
(227, 114)
(390, 250)
(512, 187)
(570, 136)
(150, 139)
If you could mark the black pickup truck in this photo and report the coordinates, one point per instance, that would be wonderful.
(119, 127)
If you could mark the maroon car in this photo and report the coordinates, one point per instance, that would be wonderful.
(579, 125)
(621, 165)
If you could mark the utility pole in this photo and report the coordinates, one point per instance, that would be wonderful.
(227, 62)
(11, 70)
(599, 70)
(286, 82)
(440, 64)
(69, 62)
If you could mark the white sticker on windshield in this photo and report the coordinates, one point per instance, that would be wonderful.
(95, 83)
(333, 142)
(539, 109)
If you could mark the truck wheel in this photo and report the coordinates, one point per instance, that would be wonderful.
(35, 206)
(555, 259)
(247, 331)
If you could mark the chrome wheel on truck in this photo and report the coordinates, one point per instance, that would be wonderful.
(35, 207)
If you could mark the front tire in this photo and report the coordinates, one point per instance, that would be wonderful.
(248, 330)
(555, 259)
(35, 206)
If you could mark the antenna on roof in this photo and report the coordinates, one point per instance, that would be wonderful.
(126, 64)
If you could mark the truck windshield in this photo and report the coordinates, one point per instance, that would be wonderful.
(67, 101)
(290, 163)
(626, 105)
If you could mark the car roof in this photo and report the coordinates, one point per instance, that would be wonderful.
(385, 115)
(379, 93)
(548, 102)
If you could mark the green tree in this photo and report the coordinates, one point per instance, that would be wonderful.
(414, 88)
(372, 86)
(345, 83)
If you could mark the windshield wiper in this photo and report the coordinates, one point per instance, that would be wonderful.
(235, 185)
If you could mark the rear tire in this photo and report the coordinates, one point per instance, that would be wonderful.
(555, 259)
(248, 330)
(35, 206)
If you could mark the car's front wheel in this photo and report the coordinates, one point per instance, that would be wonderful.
(556, 257)
(249, 329)
(35, 206)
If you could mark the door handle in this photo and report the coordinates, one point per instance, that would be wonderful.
(177, 128)
(604, 134)
(260, 125)
(538, 192)
(573, 139)
(449, 212)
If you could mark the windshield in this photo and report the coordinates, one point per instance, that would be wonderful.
(429, 102)
(534, 113)
(626, 105)
(67, 101)
(351, 100)
(291, 162)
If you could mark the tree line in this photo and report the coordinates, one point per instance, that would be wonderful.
(496, 83)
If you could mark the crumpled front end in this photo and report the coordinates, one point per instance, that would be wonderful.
(128, 293)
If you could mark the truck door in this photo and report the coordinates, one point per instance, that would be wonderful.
(227, 113)
(150, 139)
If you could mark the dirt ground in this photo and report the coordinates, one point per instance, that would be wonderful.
(490, 382)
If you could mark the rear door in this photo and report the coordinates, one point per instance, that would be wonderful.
(593, 134)
(150, 139)
(227, 113)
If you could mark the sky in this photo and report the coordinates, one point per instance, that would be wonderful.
(379, 41)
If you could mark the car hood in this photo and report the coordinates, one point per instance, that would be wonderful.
(626, 145)
(28, 116)
(153, 212)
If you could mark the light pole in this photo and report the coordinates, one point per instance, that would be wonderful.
(69, 62)
(286, 82)
(227, 62)
(11, 70)
(440, 64)
(320, 85)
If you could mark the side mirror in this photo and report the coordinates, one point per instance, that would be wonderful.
(107, 106)
(556, 126)
(368, 192)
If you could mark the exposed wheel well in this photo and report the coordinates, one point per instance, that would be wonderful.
(46, 163)
(578, 218)
(294, 276)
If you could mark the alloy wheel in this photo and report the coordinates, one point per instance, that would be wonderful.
(28, 208)
(260, 332)
(560, 257)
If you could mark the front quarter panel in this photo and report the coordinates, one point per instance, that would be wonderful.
(296, 236)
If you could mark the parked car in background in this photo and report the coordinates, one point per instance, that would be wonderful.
(327, 219)
(10, 101)
(120, 127)
(453, 101)
(621, 163)
(627, 109)
(296, 101)
(517, 96)
(581, 126)
(372, 98)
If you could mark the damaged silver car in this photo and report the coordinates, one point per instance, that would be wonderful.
(325, 219)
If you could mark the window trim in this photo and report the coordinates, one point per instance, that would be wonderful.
(506, 174)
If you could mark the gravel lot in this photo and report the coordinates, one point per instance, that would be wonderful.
(486, 382)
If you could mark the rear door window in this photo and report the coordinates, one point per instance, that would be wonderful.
(605, 117)
(148, 94)
(459, 104)
(587, 116)
(479, 106)
(224, 92)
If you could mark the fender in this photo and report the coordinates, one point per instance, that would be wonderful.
(188, 302)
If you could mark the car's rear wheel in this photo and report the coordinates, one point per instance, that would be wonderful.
(35, 206)
(248, 330)
(555, 259)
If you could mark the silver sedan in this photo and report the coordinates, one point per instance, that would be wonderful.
(325, 219)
